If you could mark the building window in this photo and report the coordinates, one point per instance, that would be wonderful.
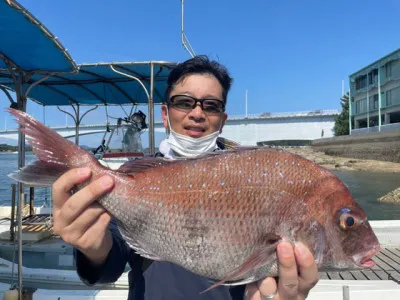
(393, 96)
(375, 102)
(361, 106)
(388, 68)
(389, 98)
(373, 76)
(361, 82)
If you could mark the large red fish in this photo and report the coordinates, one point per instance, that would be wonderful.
(221, 215)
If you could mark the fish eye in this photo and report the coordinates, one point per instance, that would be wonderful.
(350, 221)
(347, 221)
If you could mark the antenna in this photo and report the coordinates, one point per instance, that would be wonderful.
(246, 103)
(185, 41)
(342, 87)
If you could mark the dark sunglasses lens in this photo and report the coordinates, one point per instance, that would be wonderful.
(185, 103)
(182, 102)
(213, 106)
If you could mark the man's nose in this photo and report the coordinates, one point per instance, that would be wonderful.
(197, 112)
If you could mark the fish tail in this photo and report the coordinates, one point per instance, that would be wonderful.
(55, 153)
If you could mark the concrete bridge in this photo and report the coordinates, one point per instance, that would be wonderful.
(247, 130)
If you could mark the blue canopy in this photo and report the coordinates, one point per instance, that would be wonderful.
(27, 44)
(99, 84)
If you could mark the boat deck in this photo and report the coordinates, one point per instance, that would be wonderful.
(387, 268)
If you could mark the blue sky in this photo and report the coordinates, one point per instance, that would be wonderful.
(290, 55)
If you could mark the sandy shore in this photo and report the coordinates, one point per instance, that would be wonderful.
(344, 163)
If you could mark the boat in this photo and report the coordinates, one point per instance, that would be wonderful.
(45, 262)
(382, 280)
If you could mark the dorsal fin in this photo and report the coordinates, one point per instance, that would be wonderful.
(142, 164)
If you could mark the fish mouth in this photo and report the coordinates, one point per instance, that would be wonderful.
(366, 261)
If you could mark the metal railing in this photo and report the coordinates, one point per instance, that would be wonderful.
(267, 115)
(386, 127)
(307, 113)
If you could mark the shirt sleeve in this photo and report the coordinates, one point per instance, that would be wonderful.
(114, 265)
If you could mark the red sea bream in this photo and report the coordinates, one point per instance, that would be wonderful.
(220, 215)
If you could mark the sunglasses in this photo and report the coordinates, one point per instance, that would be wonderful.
(187, 103)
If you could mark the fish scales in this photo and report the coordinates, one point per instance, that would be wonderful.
(220, 215)
(198, 221)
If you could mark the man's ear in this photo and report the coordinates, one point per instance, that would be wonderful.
(164, 115)
(224, 118)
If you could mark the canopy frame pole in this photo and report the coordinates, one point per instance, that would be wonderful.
(8, 95)
(132, 77)
(151, 111)
(77, 119)
(150, 102)
(17, 75)
(185, 41)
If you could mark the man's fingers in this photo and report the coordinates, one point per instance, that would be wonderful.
(267, 287)
(61, 189)
(83, 222)
(288, 278)
(251, 292)
(97, 229)
(308, 270)
(78, 202)
(260, 289)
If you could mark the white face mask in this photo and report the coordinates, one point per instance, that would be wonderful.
(187, 146)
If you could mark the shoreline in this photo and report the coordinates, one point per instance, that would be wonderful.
(337, 163)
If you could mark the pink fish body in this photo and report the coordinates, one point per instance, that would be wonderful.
(220, 215)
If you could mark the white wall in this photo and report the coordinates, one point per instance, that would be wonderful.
(285, 129)
(250, 131)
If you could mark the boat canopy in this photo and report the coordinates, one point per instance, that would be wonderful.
(117, 83)
(28, 45)
(34, 64)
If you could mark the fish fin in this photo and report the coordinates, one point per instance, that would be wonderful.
(141, 164)
(48, 145)
(226, 143)
(261, 256)
(39, 174)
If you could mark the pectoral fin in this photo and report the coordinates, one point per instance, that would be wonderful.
(260, 257)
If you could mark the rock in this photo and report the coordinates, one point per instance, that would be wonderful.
(392, 197)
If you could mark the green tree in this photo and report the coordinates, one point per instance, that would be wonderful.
(342, 120)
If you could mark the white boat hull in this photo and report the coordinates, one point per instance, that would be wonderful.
(55, 283)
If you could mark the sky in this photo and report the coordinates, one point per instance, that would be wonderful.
(289, 55)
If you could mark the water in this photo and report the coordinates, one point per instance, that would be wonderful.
(365, 187)
(8, 164)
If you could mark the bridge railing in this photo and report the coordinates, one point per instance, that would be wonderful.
(267, 115)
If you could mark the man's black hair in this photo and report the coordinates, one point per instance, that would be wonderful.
(200, 65)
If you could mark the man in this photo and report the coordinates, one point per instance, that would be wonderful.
(194, 116)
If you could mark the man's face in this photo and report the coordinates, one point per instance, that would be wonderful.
(195, 123)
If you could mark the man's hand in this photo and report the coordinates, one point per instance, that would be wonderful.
(78, 219)
(298, 274)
